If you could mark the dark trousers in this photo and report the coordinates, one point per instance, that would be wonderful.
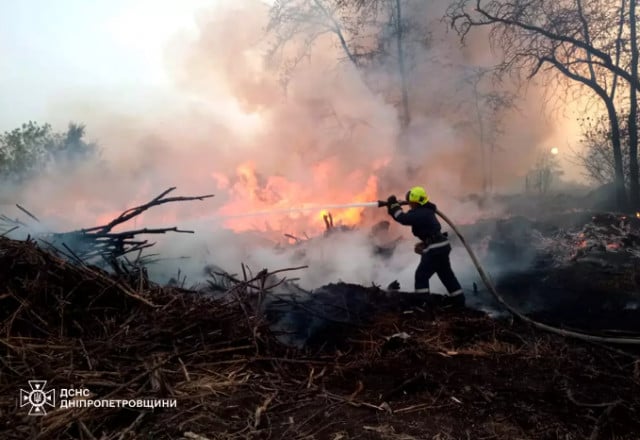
(436, 261)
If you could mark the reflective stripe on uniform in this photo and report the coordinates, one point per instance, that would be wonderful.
(397, 213)
(456, 292)
(436, 245)
(421, 290)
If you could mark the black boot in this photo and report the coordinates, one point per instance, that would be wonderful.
(454, 302)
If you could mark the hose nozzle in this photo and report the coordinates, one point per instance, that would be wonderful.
(383, 203)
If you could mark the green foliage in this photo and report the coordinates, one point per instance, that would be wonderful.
(28, 150)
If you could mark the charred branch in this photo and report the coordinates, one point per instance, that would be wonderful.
(100, 242)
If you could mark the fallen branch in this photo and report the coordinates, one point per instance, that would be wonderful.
(133, 212)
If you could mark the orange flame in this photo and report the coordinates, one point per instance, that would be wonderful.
(250, 192)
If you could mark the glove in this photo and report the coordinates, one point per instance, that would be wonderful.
(419, 247)
(392, 205)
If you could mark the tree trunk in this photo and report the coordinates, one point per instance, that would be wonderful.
(634, 184)
(621, 192)
(406, 115)
(483, 155)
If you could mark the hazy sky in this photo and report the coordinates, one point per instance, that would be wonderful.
(60, 59)
(53, 49)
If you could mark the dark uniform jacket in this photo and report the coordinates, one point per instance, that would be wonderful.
(422, 220)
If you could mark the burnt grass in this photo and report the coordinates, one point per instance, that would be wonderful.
(411, 373)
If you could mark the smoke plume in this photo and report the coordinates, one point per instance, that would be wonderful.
(232, 129)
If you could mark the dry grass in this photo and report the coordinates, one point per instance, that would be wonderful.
(457, 376)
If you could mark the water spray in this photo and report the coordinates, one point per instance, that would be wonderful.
(318, 207)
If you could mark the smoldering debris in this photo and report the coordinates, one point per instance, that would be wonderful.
(79, 327)
(582, 274)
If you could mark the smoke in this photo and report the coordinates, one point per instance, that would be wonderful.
(230, 128)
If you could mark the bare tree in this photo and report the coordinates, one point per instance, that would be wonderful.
(542, 175)
(369, 33)
(634, 188)
(577, 43)
(595, 155)
(399, 25)
(489, 106)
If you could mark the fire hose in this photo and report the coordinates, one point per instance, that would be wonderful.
(492, 289)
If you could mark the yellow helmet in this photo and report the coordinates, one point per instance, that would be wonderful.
(418, 195)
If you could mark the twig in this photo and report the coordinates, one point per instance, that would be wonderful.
(84, 429)
(8, 231)
(132, 425)
(601, 421)
(293, 237)
(591, 405)
(353, 402)
(184, 370)
(262, 409)
(135, 211)
(28, 213)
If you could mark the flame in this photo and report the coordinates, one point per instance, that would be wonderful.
(250, 191)
(637, 214)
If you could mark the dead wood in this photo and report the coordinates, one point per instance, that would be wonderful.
(78, 326)
(99, 243)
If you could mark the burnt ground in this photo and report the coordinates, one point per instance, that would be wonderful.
(407, 373)
(462, 375)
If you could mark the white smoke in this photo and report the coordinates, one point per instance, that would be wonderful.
(328, 139)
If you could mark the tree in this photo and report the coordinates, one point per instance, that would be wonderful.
(544, 172)
(634, 188)
(24, 149)
(370, 34)
(574, 42)
(595, 155)
(399, 26)
(489, 106)
(27, 150)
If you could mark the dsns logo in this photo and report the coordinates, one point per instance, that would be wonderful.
(37, 398)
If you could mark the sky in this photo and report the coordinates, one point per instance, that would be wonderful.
(61, 59)
(50, 50)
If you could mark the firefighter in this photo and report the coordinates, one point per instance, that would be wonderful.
(433, 248)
